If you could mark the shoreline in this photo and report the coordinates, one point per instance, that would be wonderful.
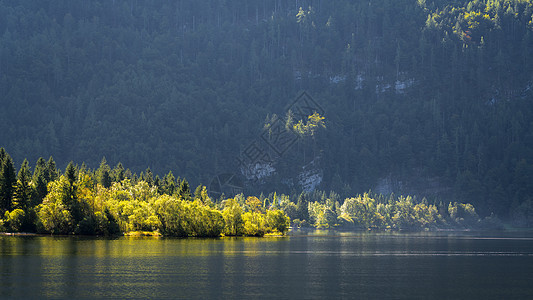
(143, 234)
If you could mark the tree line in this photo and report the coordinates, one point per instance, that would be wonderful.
(109, 201)
(378, 212)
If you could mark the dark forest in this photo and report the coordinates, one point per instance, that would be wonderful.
(425, 98)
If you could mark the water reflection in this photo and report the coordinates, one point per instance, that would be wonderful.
(319, 264)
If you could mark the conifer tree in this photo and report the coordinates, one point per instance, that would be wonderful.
(53, 172)
(71, 197)
(201, 194)
(148, 176)
(184, 191)
(198, 192)
(302, 207)
(3, 154)
(103, 173)
(119, 173)
(7, 182)
(40, 181)
(70, 172)
(23, 190)
(168, 185)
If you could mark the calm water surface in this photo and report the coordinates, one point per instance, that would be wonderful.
(303, 265)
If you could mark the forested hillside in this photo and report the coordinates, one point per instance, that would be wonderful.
(423, 97)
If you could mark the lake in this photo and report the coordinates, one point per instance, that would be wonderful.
(302, 265)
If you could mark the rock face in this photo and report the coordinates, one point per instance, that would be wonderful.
(311, 176)
(308, 177)
(258, 171)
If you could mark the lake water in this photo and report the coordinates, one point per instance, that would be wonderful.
(303, 265)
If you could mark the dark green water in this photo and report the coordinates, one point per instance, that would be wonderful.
(314, 265)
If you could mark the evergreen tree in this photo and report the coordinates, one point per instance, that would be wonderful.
(23, 190)
(70, 173)
(70, 199)
(302, 207)
(149, 176)
(168, 186)
(198, 193)
(103, 174)
(53, 172)
(8, 180)
(157, 182)
(184, 191)
(3, 154)
(40, 181)
(119, 173)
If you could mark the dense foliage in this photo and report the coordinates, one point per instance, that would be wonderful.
(402, 213)
(106, 202)
(109, 201)
(431, 97)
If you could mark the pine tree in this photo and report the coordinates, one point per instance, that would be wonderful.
(70, 172)
(119, 173)
(198, 193)
(149, 177)
(157, 182)
(3, 154)
(23, 190)
(184, 191)
(103, 173)
(40, 181)
(169, 184)
(53, 172)
(7, 182)
(71, 197)
(302, 207)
